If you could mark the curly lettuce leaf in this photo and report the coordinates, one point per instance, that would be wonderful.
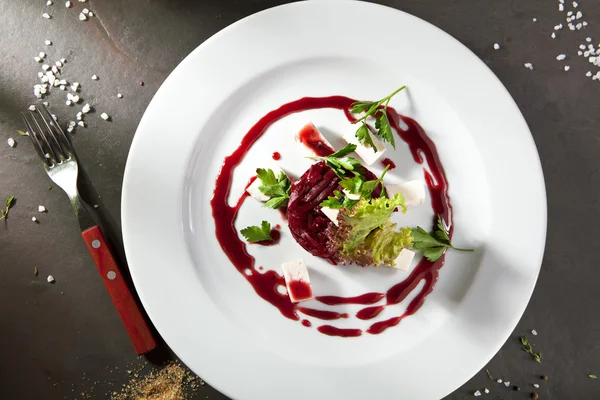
(365, 234)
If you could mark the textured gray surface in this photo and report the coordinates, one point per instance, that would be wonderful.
(57, 340)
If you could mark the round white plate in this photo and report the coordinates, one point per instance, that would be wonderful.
(207, 312)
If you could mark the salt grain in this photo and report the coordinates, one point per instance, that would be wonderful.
(50, 278)
(45, 67)
(94, 77)
(588, 39)
(486, 390)
(45, 15)
(82, 17)
(68, 4)
(32, 108)
(588, 74)
(561, 7)
(477, 393)
(498, 380)
(575, 4)
(41, 209)
(91, 14)
(36, 58)
(85, 11)
(534, 19)
(42, 54)
(567, 67)
(48, 43)
(496, 46)
(578, 15)
(86, 108)
(561, 57)
(553, 35)
(529, 66)
(11, 142)
(119, 95)
(507, 383)
(104, 116)
(535, 385)
(81, 123)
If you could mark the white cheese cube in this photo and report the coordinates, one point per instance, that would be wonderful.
(297, 281)
(312, 137)
(331, 213)
(413, 192)
(365, 151)
(404, 260)
(255, 192)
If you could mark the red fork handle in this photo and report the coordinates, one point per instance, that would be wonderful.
(125, 303)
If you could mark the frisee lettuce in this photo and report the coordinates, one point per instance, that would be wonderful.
(366, 236)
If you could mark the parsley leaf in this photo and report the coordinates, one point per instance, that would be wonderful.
(434, 244)
(340, 164)
(377, 109)
(338, 200)
(255, 233)
(364, 136)
(9, 202)
(344, 151)
(384, 129)
(276, 187)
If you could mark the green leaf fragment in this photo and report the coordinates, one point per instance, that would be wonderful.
(255, 233)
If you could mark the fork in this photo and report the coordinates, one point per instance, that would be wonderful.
(60, 163)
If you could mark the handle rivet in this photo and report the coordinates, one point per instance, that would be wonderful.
(96, 244)
(111, 275)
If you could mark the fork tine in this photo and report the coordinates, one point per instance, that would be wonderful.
(59, 150)
(40, 132)
(34, 139)
(61, 137)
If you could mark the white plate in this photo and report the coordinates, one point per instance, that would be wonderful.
(207, 312)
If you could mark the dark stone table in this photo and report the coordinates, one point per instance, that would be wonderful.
(61, 339)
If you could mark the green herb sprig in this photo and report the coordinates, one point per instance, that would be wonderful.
(529, 349)
(340, 164)
(434, 244)
(256, 233)
(10, 200)
(377, 109)
(276, 187)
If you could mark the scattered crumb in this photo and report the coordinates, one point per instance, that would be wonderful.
(34, 219)
(529, 66)
(45, 15)
(477, 393)
(119, 95)
(535, 385)
(105, 116)
(496, 46)
(498, 380)
(95, 77)
(486, 390)
(50, 279)
(41, 209)
(68, 4)
(567, 67)
(11, 142)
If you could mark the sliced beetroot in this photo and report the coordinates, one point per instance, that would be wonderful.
(307, 223)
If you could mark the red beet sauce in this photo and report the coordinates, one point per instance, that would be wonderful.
(265, 284)
(388, 163)
(300, 290)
